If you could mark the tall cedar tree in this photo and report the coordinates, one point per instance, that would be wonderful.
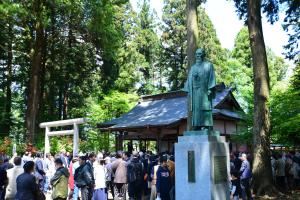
(262, 172)
(35, 73)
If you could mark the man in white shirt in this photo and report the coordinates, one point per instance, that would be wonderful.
(12, 175)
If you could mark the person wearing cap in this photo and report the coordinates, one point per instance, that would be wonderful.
(245, 175)
(163, 180)
(12, 175)
(84, 179)
(27, 188)
(59, 181)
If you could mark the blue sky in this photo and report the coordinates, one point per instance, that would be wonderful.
(227, 25)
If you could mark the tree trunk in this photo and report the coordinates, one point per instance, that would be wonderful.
(262, 171)
(65, 102)
(8, 104)
(34, 81)
(192, 30)
(43, 95)
(192, 39)
(60, 103)
(52, 90)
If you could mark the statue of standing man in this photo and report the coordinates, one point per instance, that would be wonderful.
(200, 86)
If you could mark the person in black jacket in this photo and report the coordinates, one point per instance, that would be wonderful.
(3, 182)
(84, 179)
(235, 191)
(163, 181)
(135, 177)
(27, 188)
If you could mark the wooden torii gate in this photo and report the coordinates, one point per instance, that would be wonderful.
(74, 132)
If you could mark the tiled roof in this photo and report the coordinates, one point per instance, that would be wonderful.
(165, 109)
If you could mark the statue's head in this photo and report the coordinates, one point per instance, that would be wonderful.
(200, 54)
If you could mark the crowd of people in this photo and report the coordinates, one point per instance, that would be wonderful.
(285, 171)
(122, 175)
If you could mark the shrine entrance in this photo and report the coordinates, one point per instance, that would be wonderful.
(74, 132)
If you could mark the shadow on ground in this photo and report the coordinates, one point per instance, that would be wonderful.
(295, 195)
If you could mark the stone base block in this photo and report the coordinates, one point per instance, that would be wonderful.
(202, 167)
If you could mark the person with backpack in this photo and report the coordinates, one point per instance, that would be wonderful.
(59, 181)
(163, 179)
(135, 177)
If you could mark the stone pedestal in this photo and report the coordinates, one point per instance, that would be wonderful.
(202, 166)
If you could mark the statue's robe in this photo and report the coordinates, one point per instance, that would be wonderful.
(200, 87)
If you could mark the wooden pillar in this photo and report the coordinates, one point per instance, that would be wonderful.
(158, 137)
(119, 141)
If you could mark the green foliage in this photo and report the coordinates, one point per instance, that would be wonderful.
(109, 107)
(285, 117)
(60, 143)
(241, 50)
(241, 69)
(174, 43)
(6, 146)
(214, 52)
(285, 111)
(272, 9)
(148, 44)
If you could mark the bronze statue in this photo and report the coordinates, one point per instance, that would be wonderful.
(200, 86)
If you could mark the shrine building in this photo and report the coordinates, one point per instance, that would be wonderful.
(163, 117)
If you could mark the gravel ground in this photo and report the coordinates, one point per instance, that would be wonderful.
(295, 195)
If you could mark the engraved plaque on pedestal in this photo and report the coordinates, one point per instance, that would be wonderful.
(191, 167)
(220, 169)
